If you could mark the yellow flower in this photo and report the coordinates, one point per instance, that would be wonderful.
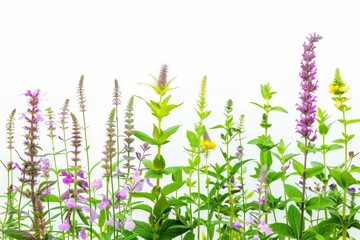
(207, 144)
(338, 90)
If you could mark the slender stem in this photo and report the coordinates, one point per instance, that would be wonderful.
(208, 195)
(303, 192)
(344, 228)
(198, 200)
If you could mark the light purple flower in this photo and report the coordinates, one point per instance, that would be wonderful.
(71, 203)
(81, 174)
(250, 221)
(237, 225)
(65, 195)
(82, 234)
(93, 214)
(82, 198)
(256, 237)
(129, 224)
(65, 226)
(97, 184)
(111, 223)
(264, 227)
(123, 194)
(104, 203)
(148, 182)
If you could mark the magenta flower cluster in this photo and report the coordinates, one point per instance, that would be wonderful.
(309, 84)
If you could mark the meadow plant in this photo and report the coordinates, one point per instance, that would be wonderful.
(225, 191)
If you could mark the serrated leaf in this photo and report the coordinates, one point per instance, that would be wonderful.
(319, 203)
(282, 229)
(311, 172)
(292, 192)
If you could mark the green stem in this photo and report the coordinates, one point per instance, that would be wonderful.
(302, 209)
(198, 201)
(344, 228)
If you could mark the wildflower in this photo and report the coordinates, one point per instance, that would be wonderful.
(123, 194)
(93, 214)
(256, 237)
(82, 198)
(97, 184)
(111, 222)
(206, 142)
(237, 225)
(286, 166)
(148, 182)
(68, 179)
(332, 186)
(264, 227)
(351, 190)
(104, 203)
(308, 84)
(65, 226)
(250, 221)
(82, 234)
(45, 166)
(129, 224)
(65, 195)
(71, 203)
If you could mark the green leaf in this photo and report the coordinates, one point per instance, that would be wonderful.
(102, 217)
(319, 203)
(294, 219)
(152, 174)
(311, 172)
(336, 174)
(347, 179)
(143, 229)
(82, 217)
(293, 193)
(172, 187)
(352, 121)
(193, 139)
(260, 106)
(282, 229)
(18, 234)
(273, 176)
(147, 195)
(167, 133)
(160, 206)
(105, 236)
(144, 207)
(299, 168)
(189, 236)
(279, 109)
(51, 198)
(334, 147)
(144, 137)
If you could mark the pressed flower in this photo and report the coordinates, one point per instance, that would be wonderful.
(65, 226)
(97, 184)
(129, 224)
(104, 203)
(82, 234)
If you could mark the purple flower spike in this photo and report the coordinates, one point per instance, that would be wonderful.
(68, 179)
(309, 84)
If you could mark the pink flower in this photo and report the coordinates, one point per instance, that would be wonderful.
(65, 195)
(250, 221)
(68, 179)
(82, 234)
(111, 223)
(129, 224)
(97, 184)
(81, 175)
(104, 203)
(256, 237)
(82, 199)
(71, 203)
(264, 227)
(65, 226)
(93, 214)
(123, 194)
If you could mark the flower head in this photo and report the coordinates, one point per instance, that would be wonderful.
(65, 225)
(129, 224)
(97, 184)
(237, 225)
(82, 234)
(309, 85)
(104, 203)
(206, 142)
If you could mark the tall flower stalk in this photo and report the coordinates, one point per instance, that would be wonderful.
(82, 100)
(307, 109)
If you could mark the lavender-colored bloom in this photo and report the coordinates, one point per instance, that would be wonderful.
(250, 221)
(256, 237)
(111, 222)
(286, 166)
(45, 166)
(104, 203)
(332, 186)
(148, 182)
(65, 226)
(264, 227)
(237, 225)
(93, 214)
(82, 234)
(123, 194)
(81, 174)
(65, 195)
(71, 203)
(351, 190)
(97, 185)
(82, 198)
(129, 224)
(309, 85)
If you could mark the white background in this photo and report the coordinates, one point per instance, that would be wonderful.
(237, 44)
